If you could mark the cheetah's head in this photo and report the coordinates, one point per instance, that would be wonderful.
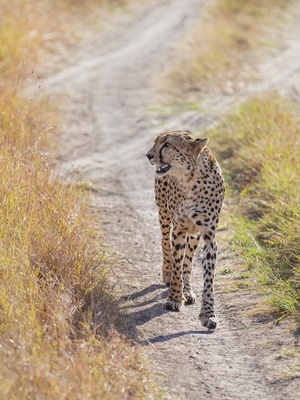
(175, 152)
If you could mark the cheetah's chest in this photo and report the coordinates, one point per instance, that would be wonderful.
(181, 203)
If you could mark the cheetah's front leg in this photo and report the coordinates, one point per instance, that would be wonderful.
(207, 313)
(165, 227)
(176, 298)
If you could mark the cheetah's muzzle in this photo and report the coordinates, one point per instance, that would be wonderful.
(163, 169)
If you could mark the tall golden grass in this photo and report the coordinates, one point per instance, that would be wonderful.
(53, 266)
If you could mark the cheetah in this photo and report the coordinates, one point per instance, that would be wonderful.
(189, 193)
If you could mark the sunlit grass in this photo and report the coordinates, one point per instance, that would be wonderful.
(259, 148)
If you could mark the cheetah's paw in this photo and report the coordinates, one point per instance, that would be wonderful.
(190, 297)
(209, 322)
(172, 305)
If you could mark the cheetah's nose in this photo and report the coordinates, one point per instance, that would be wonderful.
(149, 156)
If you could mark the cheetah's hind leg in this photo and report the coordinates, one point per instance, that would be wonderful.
(191, 246)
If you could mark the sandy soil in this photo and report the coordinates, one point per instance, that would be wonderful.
(106, 92)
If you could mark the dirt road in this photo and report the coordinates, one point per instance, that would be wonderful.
(107, 90)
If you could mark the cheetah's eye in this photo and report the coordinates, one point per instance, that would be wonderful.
(166, 145)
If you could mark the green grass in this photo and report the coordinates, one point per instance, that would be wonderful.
(259, 149)
(53, 265)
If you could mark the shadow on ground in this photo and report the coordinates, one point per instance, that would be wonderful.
(148, 305)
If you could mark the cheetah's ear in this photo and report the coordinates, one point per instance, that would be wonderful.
(198, 146)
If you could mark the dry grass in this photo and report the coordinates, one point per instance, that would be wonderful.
(52, 281)
(221, 52)
(53, 275)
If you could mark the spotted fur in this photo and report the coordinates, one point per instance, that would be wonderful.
(189, 193)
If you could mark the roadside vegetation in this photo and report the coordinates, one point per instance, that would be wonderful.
(258, 146)
(53, 268)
